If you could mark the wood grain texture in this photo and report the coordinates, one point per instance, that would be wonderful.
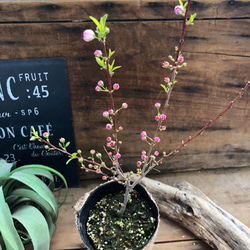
(79, 10)
(215, 49)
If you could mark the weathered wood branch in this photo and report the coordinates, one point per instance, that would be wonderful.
(189, 207)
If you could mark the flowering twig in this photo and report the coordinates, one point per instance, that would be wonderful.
(94, 162)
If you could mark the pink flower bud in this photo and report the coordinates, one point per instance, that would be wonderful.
(88, 35)
(143, 138)
(156, 153)
(116, 86)
(139, 163)
(109, 138)
(62, 140)
(165, 64)
(117, 156)
(120, 128)
(157, 118)
(97, 88)
(180, 58)
(92, 151)
(163, 127)
(163, 117)
(143, 133)
(124, 105)
(108, 126)
(178, 10)
(143, 152)
(166, 80)
(100, 83)
(45, 134)
(98, 53)
(98, 171)
(105, 114)
(143, 157)
(112, 143)
(104, 177)
(157, 105)
(111, 111)
(157, 139)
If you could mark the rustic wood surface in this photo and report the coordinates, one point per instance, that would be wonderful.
(143, 34)
(229, 189)
(189, 207)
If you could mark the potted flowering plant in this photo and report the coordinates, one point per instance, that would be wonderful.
(96, 219)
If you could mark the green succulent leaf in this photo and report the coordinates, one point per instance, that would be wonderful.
(37, 228)
(8, 231)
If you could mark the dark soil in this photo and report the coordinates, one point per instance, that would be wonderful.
(110, 232)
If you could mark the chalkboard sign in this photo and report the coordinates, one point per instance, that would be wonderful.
(35, 93)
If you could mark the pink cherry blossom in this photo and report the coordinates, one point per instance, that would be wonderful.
(108, 126)
(138, 163)
(180, 58)
(98, 53)
(157, 139)
(157, 105)
(167, 80)
(100, 83)
(97, 88)
(88, 35)
(157, 118)
(178, 10)
(118, 156)
(92, 151)
(116, 86)
(163, 117)
(105, 114)
(124, 105)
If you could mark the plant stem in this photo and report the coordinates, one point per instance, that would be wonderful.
(243, 90)
(169, 92)
(115, 136)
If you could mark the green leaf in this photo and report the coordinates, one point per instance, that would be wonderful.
(5, 168)
(103, 23)
(35, 224)
(180, 2)
(100, 62)
(34, 197)
(7, 229)
(38, 186)
(67, 144)
(96, 22)
(111, 53)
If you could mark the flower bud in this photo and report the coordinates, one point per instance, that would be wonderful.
(108, 126)
(62, 140)
(157, 105)
(88, 35)
(98, 53)
(124, 105)
(105, 114)
(178, 10)
(116, 86)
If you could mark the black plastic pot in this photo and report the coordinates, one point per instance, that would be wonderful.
(96, 195)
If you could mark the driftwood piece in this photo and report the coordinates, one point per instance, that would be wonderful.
(189, 207)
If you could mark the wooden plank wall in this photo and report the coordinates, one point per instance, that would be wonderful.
(143, 34)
